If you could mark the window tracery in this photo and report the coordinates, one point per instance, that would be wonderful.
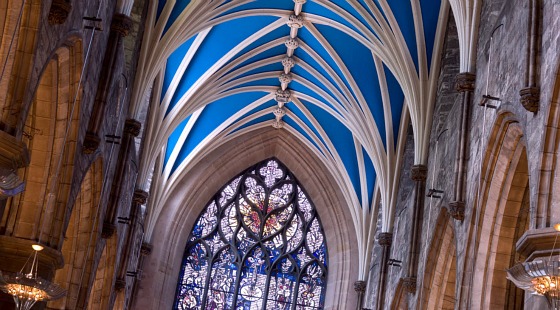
(258, 244)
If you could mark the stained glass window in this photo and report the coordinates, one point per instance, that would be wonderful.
(258, 244)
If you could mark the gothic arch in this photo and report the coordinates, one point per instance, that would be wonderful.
(161, 268)
(503, 188)
(100, 296)
(440, 274)
(44, 133)
(19, 24)
(80, 241)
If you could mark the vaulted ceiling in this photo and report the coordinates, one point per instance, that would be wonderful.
(343, 76)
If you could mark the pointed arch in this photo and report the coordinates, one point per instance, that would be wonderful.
(440, 274)
(49, 174)
(208, 176)
(503, 188)
(80, 241)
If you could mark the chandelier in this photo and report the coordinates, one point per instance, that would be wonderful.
(28, 288)
(541, 277)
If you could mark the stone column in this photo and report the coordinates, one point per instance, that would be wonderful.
(145, 250)
(131, 130)
(120, 27)
(140, 197)
(384, 239)
(360, 288)
(465, 83)
(418, 175)
(530, 94)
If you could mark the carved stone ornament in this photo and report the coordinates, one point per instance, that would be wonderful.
(457, 210)
(283, 96)
(419, 173)
(132, 127)
(291, 43)
(140, 197)
(409, 284)
(530, 98)
(60, 9)
(295, 21)
(278, 124)
(108, 230)
(10, 184)
(385, 239)
(121, 24)
(285, 78)
(465, 81)
(279, 113)
(91, 143)
(288, 63)
(300, 1)
(120, 284)
(360, 286)
(146, 249)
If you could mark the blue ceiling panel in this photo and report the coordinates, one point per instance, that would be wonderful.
(430, 12)
(214, 48)
(179, 7)
(275, 68)
(343, 141)
(267, 118)
(173, 63)
(299, 113)
(174, 138)
(213, 116)
(370, 175)
(402, 10)
(292, 123)
(316, 8)
(397, 101)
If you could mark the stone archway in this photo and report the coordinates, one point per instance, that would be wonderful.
(80, 241)
(161, 268)
(504, 185)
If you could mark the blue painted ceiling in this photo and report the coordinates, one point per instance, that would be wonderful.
(335, 76)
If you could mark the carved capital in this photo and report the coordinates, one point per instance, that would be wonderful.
(295, 21)
(108, 230)
(385, 239)
(10, 184)
(121, 24)
(91, 143)
(60, 9)
(419, 173)
(409, 284)
(530, 97)
(146, 249)
(140, 197)
(457, 210)
(360, 286)
(120, 284)
(132, 127)
(465, 81)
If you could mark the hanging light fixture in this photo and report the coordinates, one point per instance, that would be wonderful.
(541, 277)
(29, 288)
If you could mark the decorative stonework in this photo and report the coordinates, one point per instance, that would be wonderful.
(409, 284)
(146, 249)
(13, 153)
(295, 21)
(465, 81)
(360, 286)
(132, 127)
(10, 184)
(457, 210)
(108, 230)
(530, 98)
(285, 78)
(278, 124)
(279, 113)
(288, 63)
(283, 96)
(385, 239)
(419, 173)
(121, 24)
(120, 284)
(291, 43)
(60, 9)
(91, 143)
(140, 197)
(300, 1)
